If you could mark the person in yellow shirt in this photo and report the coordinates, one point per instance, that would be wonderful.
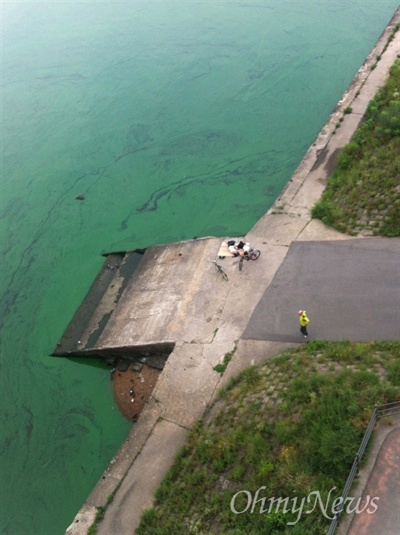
(304, 321)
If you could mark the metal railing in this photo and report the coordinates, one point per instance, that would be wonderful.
(389, 409)
(379, 412)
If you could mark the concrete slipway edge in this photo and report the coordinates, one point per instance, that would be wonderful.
(188, 383)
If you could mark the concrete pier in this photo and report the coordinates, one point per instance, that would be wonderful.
(88, 323)
(177, 298)
(142, 304)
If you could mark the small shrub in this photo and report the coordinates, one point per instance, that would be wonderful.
(266, 467)
(149, 519)
(238, 472)
(323, 210)
(393, 373)
(219, 465)
(252, 376)
(317, 345)
(220, 368)
(101, 511)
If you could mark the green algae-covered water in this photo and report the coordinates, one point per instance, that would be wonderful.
(173, 120)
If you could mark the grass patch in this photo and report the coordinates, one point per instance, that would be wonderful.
(220, 368)
(363, 194)
(101, 511)
(289, 427)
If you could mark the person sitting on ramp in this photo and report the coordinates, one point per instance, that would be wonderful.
(238, 248)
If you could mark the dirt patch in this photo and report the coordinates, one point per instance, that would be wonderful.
(133, 387)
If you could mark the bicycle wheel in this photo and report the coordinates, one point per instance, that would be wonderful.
(254, 254)
(224, 275)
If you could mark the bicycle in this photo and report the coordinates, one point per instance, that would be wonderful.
(253, 254)
(219, 268)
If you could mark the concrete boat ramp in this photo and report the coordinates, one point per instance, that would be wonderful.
(171, 306)
(143, 302)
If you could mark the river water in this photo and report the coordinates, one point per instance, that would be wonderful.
(173, 120)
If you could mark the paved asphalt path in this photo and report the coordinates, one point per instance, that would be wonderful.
(384, 483)
(350, 290)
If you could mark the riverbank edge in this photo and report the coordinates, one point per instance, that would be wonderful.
(292, 206)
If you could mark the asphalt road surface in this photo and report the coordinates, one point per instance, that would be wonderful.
(350, 290)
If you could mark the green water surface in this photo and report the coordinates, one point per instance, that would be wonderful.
(173, 120)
